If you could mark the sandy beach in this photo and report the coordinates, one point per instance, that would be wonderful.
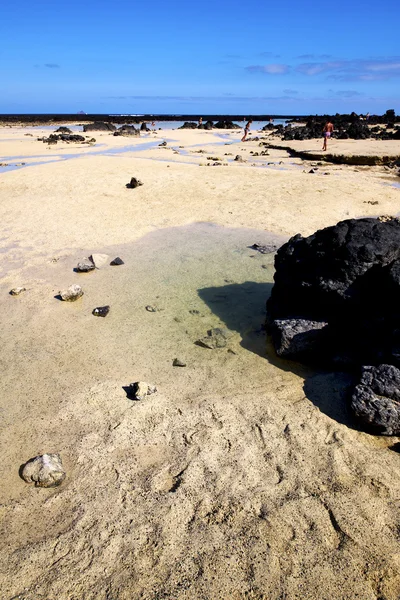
(244, 475)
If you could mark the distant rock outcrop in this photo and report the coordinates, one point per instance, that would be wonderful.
(99, 126)
(127, 130)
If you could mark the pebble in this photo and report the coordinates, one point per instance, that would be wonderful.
(150, 308)
(134, 183)
(85, 266)
(99, 260)
(45, 471)
(72, 293)
(17, 291)
(117, 261)
(178, 363)
(140, 389)
(264, 249)
(101, 311)
(216, 338)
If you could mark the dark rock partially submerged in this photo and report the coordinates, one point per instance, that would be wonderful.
(99, 126)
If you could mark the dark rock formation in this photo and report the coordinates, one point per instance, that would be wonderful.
(99, 126)
(376, 399)
(226, 125)
(63, 137)
(349, 277)
(127, 130)
(63, 130)
(209, 125)
(336, 301)
(144, 127)
(188, 125)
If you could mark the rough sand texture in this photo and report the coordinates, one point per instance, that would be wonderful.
(243, 476)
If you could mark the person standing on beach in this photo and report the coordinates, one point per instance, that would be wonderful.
(246, 130)
(328, 130)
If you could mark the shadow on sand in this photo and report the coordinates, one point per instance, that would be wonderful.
(242, 308)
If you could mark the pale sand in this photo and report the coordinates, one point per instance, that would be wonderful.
(243, 477)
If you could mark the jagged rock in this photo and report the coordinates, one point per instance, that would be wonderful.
(99, 126)
(216, 338)
(144, 127)
(239, 158)
(116, 262)
(299, 338)
(63, 130)
(45, 471)
(101, 311)
(163, 144)
(376, 399)
(72, 293)
(188, 125)
(127, 130)
(140, 389)
(134, 183)
(17, 291)
(178, 363)
(85, 266)
(99, 260)
(226, 124)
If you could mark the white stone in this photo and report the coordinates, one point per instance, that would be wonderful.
(99, 260)
(72, 293)
(45, 470)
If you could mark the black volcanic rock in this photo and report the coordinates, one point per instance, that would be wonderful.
(348, 276)
(188, 125)
(99, 126)
(127, 130)
(376, 399)
(226, 125)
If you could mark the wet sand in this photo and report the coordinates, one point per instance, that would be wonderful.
(244, 475)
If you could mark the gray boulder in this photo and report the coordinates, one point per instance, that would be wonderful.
(376, 399)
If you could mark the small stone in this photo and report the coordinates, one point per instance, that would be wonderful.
(72, 293)
(101, 311)
(178, 363)
(194, 312)
(85, 266)
(239, 158)
(45, 471)
(17, 291)
(134, 183)
(99, 260)
(140, 389)
(116, 262)
(150, 308)
(216, 338)
(264, 248)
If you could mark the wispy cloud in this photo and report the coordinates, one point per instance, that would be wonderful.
(269, 55)
(52, 65)
(203, 98)
(271, 69)
(347, 93)
(314, 56)
(290, 92)
(354, 70)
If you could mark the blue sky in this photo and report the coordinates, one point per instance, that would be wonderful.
(220, 56)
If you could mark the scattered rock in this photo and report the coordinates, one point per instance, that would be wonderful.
(140, 389)
(99, 260)
(101, 311)
(134, 183)
(85, 266)
(178, 363)
(376, 399)
(264, 248)
(163, 144)
(17, 291)
(151, 308)
(99, 126)
(239, 158)
(216, 338)
(72, 293)
(45, 471)
(127, 131)
(116, 262)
